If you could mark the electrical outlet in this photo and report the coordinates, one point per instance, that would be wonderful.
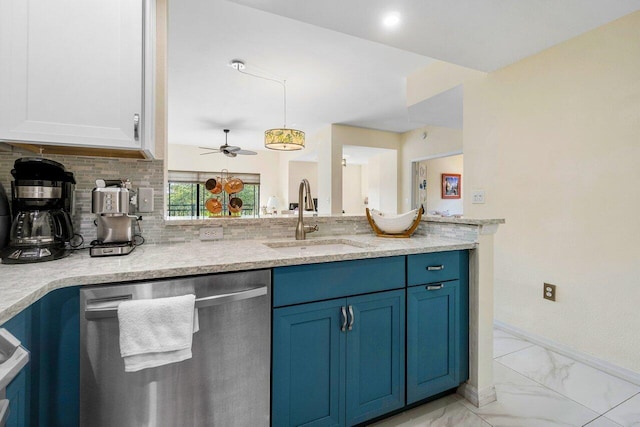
(549, 292)
(477, 197)
(211, 233)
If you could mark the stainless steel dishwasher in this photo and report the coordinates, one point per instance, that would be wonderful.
(225, 383)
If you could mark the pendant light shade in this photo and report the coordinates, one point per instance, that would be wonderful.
(284, 139)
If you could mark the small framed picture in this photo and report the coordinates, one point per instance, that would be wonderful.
(451, 186)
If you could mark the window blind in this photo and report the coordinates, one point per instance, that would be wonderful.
(202, 177)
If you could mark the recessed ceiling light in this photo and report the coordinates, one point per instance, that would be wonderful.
(391, 20)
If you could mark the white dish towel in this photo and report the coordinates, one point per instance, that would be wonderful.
(156, 332)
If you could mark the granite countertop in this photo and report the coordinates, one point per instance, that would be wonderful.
(23, 284)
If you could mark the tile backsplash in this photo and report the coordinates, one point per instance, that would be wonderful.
(142, 173)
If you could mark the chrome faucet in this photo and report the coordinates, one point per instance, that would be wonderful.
(301, 229)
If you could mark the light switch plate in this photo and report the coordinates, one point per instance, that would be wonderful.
(145, 199)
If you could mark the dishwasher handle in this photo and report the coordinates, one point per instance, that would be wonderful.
(106, 311)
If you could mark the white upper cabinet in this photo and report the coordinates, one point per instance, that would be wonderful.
(77, 73)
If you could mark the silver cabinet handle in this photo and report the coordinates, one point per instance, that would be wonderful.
(344, 318)
(435, 287)
(353, 318)
(435, 267)
(136, 126)
(104, 311)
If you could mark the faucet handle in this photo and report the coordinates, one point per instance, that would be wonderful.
(310, 228)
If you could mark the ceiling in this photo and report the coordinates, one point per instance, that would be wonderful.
(331, 77)
(481, 34)
(340, 65)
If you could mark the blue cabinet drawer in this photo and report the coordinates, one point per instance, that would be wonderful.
(315, 282)
(433, 267)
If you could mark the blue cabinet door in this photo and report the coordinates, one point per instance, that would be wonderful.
(46, 392)
(308, 379)
(56, 358)
(375, 355)
(433, 339)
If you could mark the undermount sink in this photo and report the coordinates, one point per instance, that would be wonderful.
(316, 247)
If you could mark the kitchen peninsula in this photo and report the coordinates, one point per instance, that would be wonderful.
(23, 285)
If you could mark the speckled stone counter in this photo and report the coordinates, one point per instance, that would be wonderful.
(22, 285)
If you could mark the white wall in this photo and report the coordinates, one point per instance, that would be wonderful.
(554, 140)
(298, 171)
(434, 170)
(266, 163)
(352, 200)
(439, 141)
(382, 179)
(364, 184)
(436, 78)
(348, 135)
(375, 183)
(325, 169)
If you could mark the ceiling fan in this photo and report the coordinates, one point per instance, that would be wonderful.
(228, 150)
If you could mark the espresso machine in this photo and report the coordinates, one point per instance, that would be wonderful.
(111, 202)
(42, 199)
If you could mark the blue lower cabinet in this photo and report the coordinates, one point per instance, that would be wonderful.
(19, 390)
(375, 355)
(308, 381)
(57, 358)
(18, 395)
(331, 369)
(433, 337)
(46, 392)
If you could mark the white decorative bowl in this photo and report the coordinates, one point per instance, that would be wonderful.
(393, 224)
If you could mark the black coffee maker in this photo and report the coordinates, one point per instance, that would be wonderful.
(42, 197)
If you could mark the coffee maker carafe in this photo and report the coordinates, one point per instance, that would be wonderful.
(110, 201)
(42, 197)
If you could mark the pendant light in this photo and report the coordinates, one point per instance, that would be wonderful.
(282, 139)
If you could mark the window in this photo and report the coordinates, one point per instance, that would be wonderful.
(187, 195)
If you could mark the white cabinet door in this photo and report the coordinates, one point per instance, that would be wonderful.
(71, 72)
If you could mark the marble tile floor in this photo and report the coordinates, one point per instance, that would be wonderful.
(536, 387)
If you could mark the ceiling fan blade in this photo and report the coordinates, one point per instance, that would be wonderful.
(211, 150)
(246, 152)
(231, 148)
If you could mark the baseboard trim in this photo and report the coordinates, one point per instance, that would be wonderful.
(478, 399)
(587, 359)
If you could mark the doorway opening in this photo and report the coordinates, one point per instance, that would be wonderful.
(426, 185)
